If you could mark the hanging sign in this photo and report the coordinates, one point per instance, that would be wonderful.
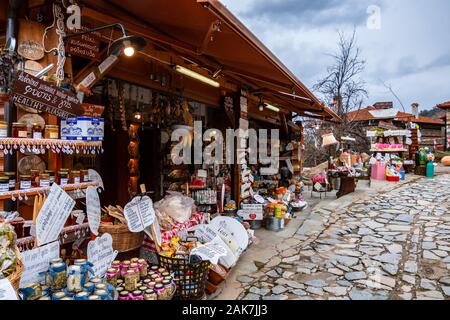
(139, 213)
(53, 215)
(94, 176)
(251, 212)
(36, 263)
(101, 254)
(93, 209)
(7, 291)
(44, 96)
(85, 46)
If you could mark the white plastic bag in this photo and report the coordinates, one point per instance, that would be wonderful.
(176, 206)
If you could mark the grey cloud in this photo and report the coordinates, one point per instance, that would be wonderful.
(307, 12)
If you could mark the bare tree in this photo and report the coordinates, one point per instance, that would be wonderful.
(343, 87)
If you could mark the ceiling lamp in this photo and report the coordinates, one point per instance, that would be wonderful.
(196, 76)
(128, 45)
(329, 140)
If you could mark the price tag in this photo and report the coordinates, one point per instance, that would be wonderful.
(139, 213)
(7, 291)
(36, 262)
(93, 209)
(211, 251)
(53, 215)
(101, 253)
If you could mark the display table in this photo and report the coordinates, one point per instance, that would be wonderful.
(348, 185)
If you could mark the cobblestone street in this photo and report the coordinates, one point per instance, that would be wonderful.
(394, 245)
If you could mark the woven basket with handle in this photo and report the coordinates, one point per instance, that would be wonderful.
(123, 239)
(14, 278)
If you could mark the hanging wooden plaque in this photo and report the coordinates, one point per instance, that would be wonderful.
(38, 94)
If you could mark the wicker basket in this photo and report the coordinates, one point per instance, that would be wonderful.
(14, 278)
(123, 239)
(190, 278)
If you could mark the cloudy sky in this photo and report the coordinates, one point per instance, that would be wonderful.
(410, 52)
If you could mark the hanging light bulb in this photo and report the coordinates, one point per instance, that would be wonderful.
(129, 51)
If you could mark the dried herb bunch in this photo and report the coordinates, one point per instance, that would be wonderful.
(9, 60)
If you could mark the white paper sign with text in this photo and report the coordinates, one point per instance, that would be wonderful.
(101, 254)
(53, 215)
(36, 262)
(211, 251)
(139, 213)
(93, 209)
(7, 291)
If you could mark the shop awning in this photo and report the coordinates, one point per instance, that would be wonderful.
(207, 33)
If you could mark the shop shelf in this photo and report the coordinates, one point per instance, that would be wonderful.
(35, 191)
(39, 146)
(68, 235)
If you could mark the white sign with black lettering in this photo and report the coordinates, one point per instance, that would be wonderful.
(139, 213)
(211, 251)
(101, 253)
(7, 291)
(93, 209)
(94, 176)
(53, 215)
(36, 263)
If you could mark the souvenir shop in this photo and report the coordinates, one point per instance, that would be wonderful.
(94, 205)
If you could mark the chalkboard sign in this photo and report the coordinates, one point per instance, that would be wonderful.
(38, 94)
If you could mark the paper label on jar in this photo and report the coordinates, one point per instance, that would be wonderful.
(64, 181)
(37, 135)
(4, 187)
(76, 180)
(22, 134)
(12, 184)
(44, 183)
(53, 135)
(3, 133)
(25, 185)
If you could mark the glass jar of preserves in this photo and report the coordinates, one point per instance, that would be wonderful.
(59, 295)
(94, 297)
(3, 129)
(36, 131)
(12, 180)
(51, 132)
(159, 290)
(75, 176)
(58, 275)
(137, 295)
(124, 295)
(143, 267)
(84, 175)
(74, 279)
(112, 275)
(63, 178)
(25, 182)
(34, 178)
(19, 130)
(44, 180)
(51, 175)
(149, 294)
(131, 279)
(4, 184)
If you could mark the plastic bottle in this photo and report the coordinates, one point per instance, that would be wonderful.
(402, 173)
(430, 169)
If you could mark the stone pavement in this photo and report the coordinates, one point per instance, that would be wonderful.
(386, 245)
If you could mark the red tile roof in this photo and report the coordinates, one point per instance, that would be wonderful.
(445, 105)
(365, 115)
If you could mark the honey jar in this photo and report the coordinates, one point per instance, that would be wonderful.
(51, 132)
(19, 130)
(36, 131)
(25, 182)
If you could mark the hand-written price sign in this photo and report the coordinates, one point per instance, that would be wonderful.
(7, 291)
(53, 215)
(139, 213)
(36, 262)
(38, 94)
(101, 253)
(93, 209)
(251, 212)
(211, 251)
